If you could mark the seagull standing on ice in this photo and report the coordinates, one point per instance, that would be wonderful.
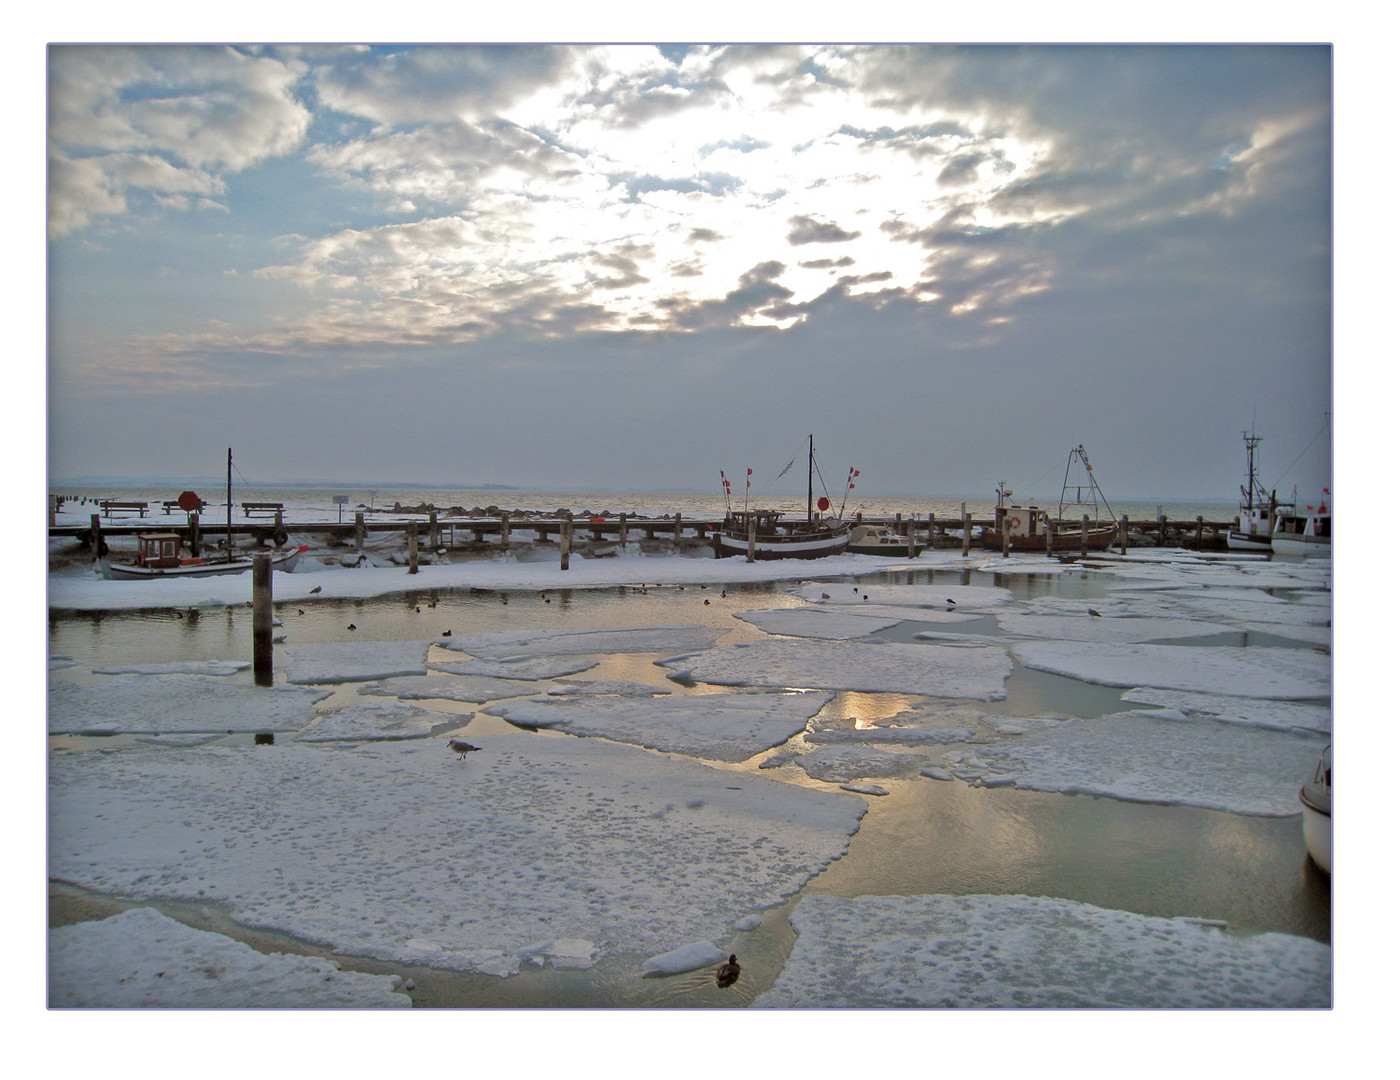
(461, 747)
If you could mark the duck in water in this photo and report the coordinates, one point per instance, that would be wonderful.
(728, 972)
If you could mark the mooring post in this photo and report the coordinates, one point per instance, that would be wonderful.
(1005, 537)
(677, 545)
(262, 618)
(505, 531)
(359, 530)
(566, 540)
(96, 537)
(753, 537)
(622, 531)
(194, 533)
(1123, 535)
(1161, 529)
(413, 547)
(1049, 536)
(1200, 528)
(1084, 535)
(966, 531)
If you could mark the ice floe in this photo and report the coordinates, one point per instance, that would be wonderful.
(402, 852)
(720, 727)
(178, 704)
(143, 959)
(1086, 627)
(1263, 712)
(371, 721)
(935, 670)
(817, 623)
(1242, 672)
(698, 954)
(936, 597)
(178, 667)
(1154, 756)
(844, 764)
(523, 668)
(990, 952)
(512, 644)
(355, 661)
(470, 688)
(616, 687)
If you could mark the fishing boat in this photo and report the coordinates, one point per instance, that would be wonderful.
(1255, 528)
(1028, 528)
(1303, 533)
(158, 553)
(1316, 798)
(770, 535)
(881, 540)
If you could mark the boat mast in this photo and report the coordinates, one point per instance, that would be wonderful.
(228, 505)
(810, 455)
(1250, 442)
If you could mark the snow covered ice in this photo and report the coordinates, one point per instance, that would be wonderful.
(991, 952)
(635, 827)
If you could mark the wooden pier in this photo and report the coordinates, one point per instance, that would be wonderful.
(437, 532)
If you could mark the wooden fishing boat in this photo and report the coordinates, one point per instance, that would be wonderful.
(770, 535)
(1030, 529)
(1257, 508)
(158, 553)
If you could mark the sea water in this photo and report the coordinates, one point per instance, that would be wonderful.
(926, 836)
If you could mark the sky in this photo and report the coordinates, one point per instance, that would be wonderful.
(627, 267)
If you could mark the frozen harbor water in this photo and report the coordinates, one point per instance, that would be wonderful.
(681, 757)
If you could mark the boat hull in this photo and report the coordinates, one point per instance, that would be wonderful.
(1302, 545)
(1242, 541)
(1100, 538)
(893, 551)
(782, 547)
(285, 561)
(1317, 834)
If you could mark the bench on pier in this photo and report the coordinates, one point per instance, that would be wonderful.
(171, 505)
(251, 509)
(109, 505)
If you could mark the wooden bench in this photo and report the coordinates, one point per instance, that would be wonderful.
(108, 505)
(252, 508)
(171, 505)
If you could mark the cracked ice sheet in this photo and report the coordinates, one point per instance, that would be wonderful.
(817, 623)
(1280, 715)
(471, 688)
(512, 644)
(1086, 627)
(535, 840)
(721, 727)
(178, 705)
(143, 959)
(522, 668)
(1154, 757)
(984, 952)
(355, 661)
(843, 764)
(1247, 672)
(179, 667)
(1238, 608)
(373, 720)
(976, 597)
(978, 672)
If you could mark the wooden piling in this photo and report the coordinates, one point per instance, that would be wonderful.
(966, 531)
(505, 532)
(1123, 535)
(1005, 539)
(622, 531)
(434, 534)
(1084, 536)
(566, 540)
(262, 618)
(413, 547)
(359, 530)
(676, 545)
(1049, 536)
(96, 537)
(194, 533)
(913, 533)
(753, 537)
(1161, 530)
(1200, 528)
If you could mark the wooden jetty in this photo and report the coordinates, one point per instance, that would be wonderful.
(439, 531)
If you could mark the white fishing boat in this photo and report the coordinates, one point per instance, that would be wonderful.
(158, 553)
(1303, 532)
(881, 540)
(1316, 798)
(1028, 528)
(771, 535)
(1255, 528)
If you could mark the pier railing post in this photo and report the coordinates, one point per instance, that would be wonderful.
(262, 618)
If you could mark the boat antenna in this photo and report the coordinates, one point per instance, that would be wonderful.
(811, 463)
(228, 506)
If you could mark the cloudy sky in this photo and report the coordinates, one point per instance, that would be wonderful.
(629, 267)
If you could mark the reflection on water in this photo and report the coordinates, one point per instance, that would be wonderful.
(926, 836)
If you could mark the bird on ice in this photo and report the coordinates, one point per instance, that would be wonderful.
(728, 972)
(316, 589)
(461, 747)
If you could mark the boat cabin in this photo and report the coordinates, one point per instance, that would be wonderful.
(159, 551)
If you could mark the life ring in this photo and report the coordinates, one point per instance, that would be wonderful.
(1015, 523)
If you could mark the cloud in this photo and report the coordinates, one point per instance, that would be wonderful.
(806, 230)
(166, 120)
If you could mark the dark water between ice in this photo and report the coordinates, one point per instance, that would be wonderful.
(926, 836)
